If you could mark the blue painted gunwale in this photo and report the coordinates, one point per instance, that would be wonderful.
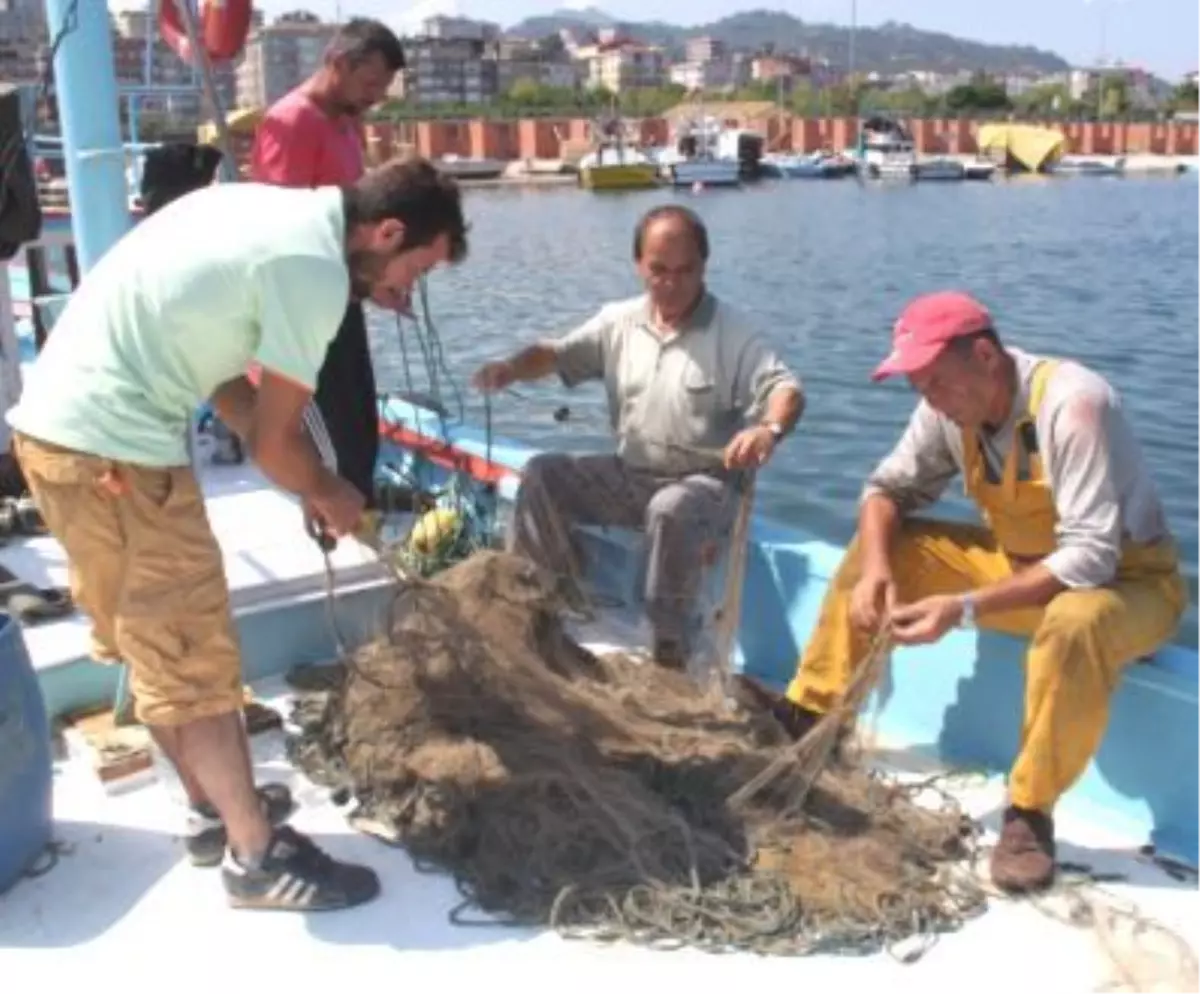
(959, 700)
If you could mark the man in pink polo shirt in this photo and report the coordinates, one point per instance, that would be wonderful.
(312, 137)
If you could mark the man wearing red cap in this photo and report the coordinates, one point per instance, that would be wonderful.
(1075, 553)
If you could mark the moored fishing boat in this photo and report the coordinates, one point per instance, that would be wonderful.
(948, 703)
(470, 168)
(954, 703)
(617, 168)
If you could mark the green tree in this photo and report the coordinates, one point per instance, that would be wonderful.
(1185, 97)
(982, 93)
(650, 101)
(1048, 100)
(911, 101)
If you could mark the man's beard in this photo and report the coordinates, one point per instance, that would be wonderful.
(347, 108)
(365, 268)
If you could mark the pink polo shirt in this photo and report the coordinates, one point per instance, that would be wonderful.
(298, 144)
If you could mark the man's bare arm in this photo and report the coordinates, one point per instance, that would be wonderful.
(533, 363)
(234, 403)
(878, 522)
(269, 421)
(785, 404)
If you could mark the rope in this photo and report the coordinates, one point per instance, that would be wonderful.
(756, 911)
(604, 812)
(476, 523)
(472, 504)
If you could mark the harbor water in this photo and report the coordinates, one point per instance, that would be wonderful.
(1102, 270)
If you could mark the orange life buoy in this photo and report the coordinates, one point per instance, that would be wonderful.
(222, 26)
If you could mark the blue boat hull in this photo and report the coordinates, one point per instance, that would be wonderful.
(960, 701)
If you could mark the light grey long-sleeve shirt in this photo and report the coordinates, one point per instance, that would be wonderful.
(1103, 492)
(694, 389)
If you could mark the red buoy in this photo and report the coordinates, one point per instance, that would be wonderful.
(222, 25)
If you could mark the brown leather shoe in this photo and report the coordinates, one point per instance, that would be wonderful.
(1023, 860)
(753, 696)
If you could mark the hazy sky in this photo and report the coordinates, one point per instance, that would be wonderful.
(1160, 35)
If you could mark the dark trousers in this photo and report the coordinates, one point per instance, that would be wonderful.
(346, 398)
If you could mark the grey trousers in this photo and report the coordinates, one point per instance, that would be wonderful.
(678, 515)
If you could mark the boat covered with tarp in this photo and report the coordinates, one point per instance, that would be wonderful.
(1028, 148)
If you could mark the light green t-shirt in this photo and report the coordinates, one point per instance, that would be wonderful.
(225, 276)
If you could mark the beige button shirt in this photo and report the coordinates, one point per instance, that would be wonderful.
(693, 388)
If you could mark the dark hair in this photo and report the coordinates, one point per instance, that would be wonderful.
(415, 192)
(173, 169)
(689, 218)
(966, 344)
(360, 38)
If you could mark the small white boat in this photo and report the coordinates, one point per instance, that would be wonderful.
(699, 156)
(897, 168)
(709, 172)
(468, 167)
(940, 169)
(816, 165)
(979, 169)
(1078, 165)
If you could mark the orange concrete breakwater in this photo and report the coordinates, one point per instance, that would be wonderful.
(555, 138)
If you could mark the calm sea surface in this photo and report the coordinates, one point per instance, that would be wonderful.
(1098, 269)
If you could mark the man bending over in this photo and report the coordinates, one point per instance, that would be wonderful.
(171, 317)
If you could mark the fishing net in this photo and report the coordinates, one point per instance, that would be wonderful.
(609, 797)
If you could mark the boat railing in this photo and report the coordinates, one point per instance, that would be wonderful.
(53, 191)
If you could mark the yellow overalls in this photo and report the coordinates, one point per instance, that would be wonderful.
(1080, 642)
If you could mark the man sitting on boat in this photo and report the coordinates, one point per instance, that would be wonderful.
(696, 397)
(171, 316)
(312, 137)
(1076, 553)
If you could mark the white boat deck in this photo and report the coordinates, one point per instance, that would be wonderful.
(122, 906)
(268, 558)
(121, 909)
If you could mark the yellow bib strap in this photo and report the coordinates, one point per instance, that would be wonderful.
(1037, 385)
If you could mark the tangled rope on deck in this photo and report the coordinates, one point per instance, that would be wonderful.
(597, 795)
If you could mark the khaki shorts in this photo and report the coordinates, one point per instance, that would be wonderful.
(145, 566)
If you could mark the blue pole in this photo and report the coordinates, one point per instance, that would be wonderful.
(86, 86)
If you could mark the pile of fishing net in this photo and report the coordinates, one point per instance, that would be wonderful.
(601, 795)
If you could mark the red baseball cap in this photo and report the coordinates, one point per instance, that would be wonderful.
(926, 326)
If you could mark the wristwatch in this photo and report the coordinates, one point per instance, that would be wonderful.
(968, 611)
(775, 428)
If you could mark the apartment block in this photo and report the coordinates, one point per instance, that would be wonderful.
(454, 60)
(444, 28)
(770, 68)
(705, 49)
(23, 40)
(449, 70)
(279, 57)
(520, 58)
(623, 65)
(726, 72)
(143, 59)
